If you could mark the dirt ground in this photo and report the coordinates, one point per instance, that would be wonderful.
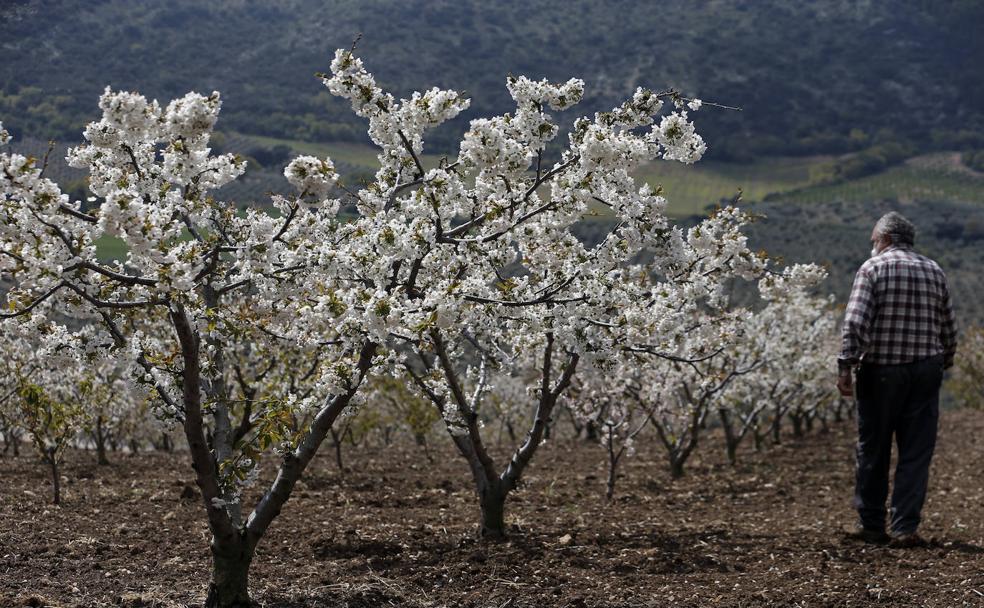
(397, 531)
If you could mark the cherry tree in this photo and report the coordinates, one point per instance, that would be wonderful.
(790, 336)
(681, 392)
(198, 282)
(48, 388)
(797, 337)
(473, 269)
(10, 430)
(708, 369)
(448, 275)
(403, 410)
(601, 397)
(967, 383)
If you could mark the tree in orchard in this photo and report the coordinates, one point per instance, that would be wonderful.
(967, 383)
(9, 366)
(789, 334)
(199, 281)
(10, 430)
(676, 389)
(473, 268)
(600, 397)
(135, 422)
(112, 400)
(668, 391)
(815, 398)
(404, 409)
(49, 388)
(796, 336)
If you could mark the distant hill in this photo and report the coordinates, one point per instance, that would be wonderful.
(813, 76)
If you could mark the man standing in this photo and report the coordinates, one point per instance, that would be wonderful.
(899, 332)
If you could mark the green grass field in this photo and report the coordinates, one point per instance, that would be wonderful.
(110, 248)
(903, 183)
(692, 189)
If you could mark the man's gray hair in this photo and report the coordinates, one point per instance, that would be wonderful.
(896, 228)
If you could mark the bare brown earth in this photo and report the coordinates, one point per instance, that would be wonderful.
(396, 531)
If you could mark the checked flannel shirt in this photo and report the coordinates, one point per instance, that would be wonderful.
(899, 311)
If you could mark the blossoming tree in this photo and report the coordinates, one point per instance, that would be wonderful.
(673, 392)
(448, 274)
(45, 392)
(791, 337)
(472, 270)
(968, 381)
(198, 283)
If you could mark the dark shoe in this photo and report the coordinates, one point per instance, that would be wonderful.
(867, 535)
(907, 541)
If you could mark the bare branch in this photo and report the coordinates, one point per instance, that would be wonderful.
(85, 217)
(114, 304)
(112, 274)
(286, 224)
(35, 303)
(409, 148)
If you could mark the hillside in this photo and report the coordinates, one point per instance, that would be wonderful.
(811, 77)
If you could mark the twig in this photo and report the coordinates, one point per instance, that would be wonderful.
(409, 148)
(44, 163)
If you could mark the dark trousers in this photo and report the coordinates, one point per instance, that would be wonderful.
(904, 401)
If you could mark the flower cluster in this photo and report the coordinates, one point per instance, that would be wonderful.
(311, 176)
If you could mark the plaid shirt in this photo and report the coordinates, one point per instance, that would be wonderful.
(899, 311)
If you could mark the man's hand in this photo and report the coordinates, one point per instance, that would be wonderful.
(845, 382)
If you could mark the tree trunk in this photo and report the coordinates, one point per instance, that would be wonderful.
(511, 431)
(613, 458)
(55, 480)
(134, 447)
(676, 467)
(590, 432)
(730, 437)
(11, 440)
(163, 444)
(493, 503)
(612, 472)
(228, 587)
(421, 440)
(824, 425)
(100, 442)
(797, 421)
(732, 447)
(336, 441)
(759, 437)
(776, 430)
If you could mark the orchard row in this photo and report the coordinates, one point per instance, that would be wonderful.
(459, 293)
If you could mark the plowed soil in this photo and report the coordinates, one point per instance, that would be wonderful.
(396, 530)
